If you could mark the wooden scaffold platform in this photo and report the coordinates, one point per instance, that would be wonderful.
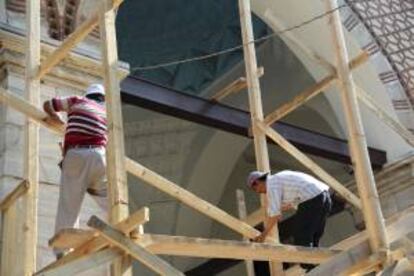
(123, 238)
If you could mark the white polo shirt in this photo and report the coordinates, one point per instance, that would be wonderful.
(291, 187)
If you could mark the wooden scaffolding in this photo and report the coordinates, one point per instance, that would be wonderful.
(123, 238)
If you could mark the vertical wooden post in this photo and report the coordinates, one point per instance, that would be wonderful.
(31, 158)
(255, 102)
(358, 146)
(118, 189)
(20, 219)
(241, 204)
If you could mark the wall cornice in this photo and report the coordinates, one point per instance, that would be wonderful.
(79, 68)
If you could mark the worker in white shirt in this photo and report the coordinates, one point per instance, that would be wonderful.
(287, 189)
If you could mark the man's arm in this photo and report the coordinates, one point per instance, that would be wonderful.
(270, 223)
(53, 118)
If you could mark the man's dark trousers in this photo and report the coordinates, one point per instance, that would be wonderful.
(310, 221)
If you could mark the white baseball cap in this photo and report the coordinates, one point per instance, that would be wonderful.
(255, 175)
(95, 88)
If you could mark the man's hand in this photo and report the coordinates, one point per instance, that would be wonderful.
(270, 222)
(54, 121)
(287, 207)
(260, 238)
(53, 118)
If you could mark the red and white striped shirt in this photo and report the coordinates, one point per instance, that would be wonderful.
(86, 120)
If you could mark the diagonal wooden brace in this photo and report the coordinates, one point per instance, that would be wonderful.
(311, 165)
(190, 199)
(92, 244)
(117, 238)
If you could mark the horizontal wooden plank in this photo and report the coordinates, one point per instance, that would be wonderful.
(244, 250)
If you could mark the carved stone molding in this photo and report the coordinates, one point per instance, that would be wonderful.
(62, 16)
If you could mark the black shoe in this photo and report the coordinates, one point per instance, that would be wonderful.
(307, 267)
(98, 193)
(59, 255)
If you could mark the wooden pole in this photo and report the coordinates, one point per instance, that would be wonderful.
(28, 219)
(256, 108)
(241, 204)
(117, 181)
(358, 146)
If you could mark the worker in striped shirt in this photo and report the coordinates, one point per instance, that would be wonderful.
(84, 164)
(288, 190)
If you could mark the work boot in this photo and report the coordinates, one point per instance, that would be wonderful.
(60, 255)
(98, 193)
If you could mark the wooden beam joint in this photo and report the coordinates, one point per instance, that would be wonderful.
(14, 195)
(119, 239)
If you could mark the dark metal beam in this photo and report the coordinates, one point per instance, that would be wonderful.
(195, 109)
